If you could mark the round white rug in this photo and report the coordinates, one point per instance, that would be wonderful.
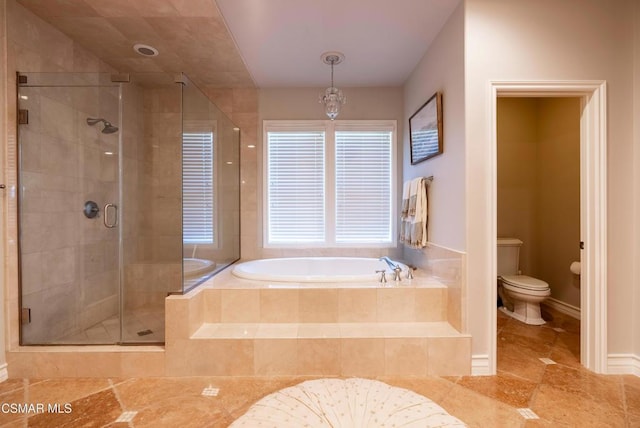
(346, 403)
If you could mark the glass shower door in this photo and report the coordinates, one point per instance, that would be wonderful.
(151, 183)
(69, 187)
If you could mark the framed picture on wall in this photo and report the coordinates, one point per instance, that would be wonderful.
(425, 130)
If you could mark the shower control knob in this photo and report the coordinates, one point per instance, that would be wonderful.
(91, 209)
(2, 186)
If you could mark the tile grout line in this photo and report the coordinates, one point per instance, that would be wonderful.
(122, 407)
(534, 394)
(25, 395)
(538, 383)
(624, 402)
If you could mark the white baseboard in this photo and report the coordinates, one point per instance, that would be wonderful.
(623, 364)
(480, 365)
(4, 373)
(563, 307)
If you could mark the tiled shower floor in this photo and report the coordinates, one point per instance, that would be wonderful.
(142, 325)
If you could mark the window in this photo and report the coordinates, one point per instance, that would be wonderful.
(198, 187)
(363, 186)
(296, 186)
(329, 183)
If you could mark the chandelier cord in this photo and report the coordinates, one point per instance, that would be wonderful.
(332, 97)
(332, 61)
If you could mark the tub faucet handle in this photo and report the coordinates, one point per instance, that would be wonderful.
(383, 276)
(410, 273)
(396, 273)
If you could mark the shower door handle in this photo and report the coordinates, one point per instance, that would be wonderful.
(105, 218)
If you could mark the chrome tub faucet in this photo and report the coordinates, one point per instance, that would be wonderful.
(397, 270)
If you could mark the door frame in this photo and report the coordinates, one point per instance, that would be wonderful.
(593, 208)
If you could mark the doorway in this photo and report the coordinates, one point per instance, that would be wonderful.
(592, 96)
(538, 205)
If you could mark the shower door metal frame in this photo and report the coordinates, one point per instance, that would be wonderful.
(22, 118)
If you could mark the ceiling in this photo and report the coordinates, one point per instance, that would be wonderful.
(263, 43)
(282, 41)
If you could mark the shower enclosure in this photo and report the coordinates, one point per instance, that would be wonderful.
(129, 191)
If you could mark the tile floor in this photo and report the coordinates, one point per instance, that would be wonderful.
(560, 395)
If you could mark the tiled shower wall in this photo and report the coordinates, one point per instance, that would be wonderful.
(198, 111)
(33, 46)
(69, 262)
(152, 196)
(241, 106)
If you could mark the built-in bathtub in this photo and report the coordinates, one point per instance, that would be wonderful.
(196, 268)
(317, 269)
(315, 316)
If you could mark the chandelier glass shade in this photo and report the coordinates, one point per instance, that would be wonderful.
(332, 98)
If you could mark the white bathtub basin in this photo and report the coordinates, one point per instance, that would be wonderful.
(194, 268)
(315, 269)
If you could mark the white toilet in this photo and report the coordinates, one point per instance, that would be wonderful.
(521, 295)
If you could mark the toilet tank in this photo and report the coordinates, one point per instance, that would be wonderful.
(508, 256)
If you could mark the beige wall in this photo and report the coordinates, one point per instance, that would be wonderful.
(550, 40)
(441, 69)
(539, 187)
(636, 169)
(3, 179)
(302, 104)
(518, 175)
(558, 196)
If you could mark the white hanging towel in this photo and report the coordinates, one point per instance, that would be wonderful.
(413, 223)
(405, 199)
(419, 220)
(404, 212)
(413, 195)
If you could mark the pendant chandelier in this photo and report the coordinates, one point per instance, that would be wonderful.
(332, 98)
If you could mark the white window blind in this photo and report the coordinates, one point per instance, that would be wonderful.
(296, 186)
(197, 188)
(329, 183)
(363, 186)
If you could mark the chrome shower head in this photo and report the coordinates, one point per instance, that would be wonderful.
(108, 127)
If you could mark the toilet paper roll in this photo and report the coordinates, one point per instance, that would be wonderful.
(575, 268)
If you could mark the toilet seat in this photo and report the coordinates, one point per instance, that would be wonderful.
(525, 282)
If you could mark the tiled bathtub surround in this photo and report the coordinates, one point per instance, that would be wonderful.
(241, 327)
(448, 267)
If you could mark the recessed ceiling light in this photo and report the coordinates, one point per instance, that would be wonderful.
(145, 50)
